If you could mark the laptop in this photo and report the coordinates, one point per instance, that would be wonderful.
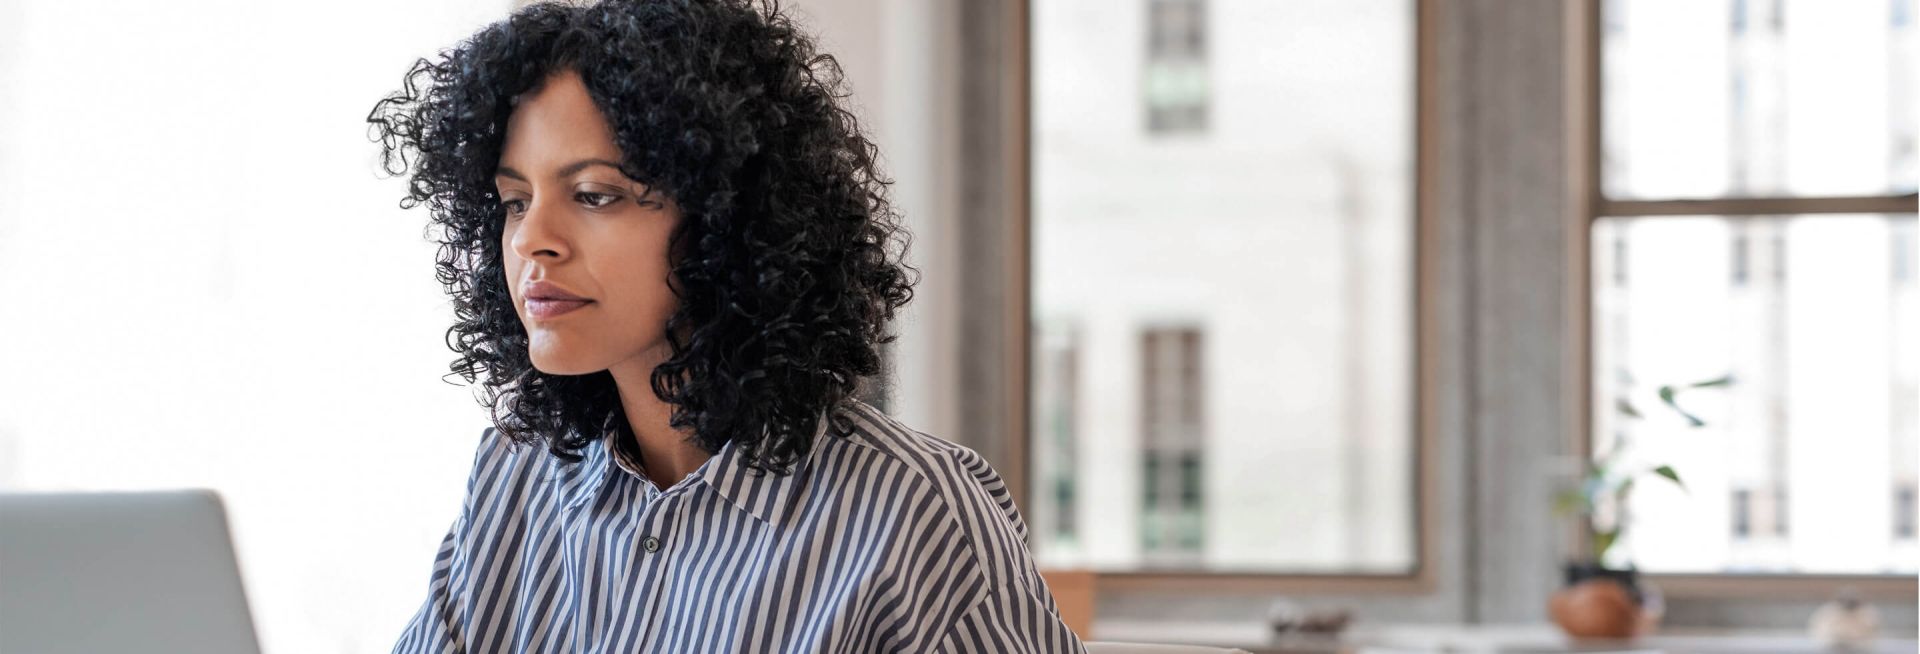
(148, 572)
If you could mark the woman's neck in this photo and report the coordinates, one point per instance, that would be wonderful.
(667, 454)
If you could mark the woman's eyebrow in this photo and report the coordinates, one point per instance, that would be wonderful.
(565, 171)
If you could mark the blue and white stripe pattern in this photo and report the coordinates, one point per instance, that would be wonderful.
(889, 540)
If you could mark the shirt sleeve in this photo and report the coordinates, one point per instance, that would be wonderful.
(1009, 620)
(1019, 615)
(435, 625)
(432, 627)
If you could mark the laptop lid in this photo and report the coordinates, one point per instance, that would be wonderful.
(147, 572)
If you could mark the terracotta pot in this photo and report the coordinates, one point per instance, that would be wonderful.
(1604, 603)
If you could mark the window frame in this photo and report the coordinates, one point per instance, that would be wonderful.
(1586, 30)
(1422, 577)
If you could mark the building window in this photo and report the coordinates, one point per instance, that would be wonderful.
(1056, 433)
(1742, 514)
(1780, 256)
(1903, 508)
(1175, 81)
(1164, 237)
(1620, 259)
(1802, 302)
(1902, 254)
(1739, 255)
(1192, 511)
(1063, 497)
(1780, 511)
(1172, 383)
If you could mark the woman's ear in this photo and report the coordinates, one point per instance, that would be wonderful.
(679, 249)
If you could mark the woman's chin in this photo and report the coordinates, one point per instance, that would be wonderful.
(563, 366)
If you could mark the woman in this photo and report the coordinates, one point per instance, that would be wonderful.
(672, 261)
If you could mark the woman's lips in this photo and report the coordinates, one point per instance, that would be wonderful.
(541, 309)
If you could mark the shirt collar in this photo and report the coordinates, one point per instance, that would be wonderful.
(767, 496)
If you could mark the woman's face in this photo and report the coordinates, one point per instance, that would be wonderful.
(575, 222)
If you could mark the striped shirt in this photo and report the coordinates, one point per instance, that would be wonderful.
(887, 540)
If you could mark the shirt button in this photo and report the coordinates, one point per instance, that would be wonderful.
(652, 544)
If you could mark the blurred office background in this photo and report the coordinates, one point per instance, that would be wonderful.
(1323, 302)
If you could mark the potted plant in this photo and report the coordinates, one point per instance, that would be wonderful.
(1603, 597)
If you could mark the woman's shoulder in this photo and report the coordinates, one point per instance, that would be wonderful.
(973, 501)
(506, 471)
(930, 456)
(496, 455)
(964, 479)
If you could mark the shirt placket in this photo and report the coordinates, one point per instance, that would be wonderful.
(655, 558)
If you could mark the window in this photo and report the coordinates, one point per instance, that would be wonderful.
(1056, 428)
(1902, 252)
(1757, 176)
(1619, 261)
(1742, 514)
(1173, 383)
(1246, 288)
(1903, 512)
(1741, 266)
(1176, 69)
(1779, 510)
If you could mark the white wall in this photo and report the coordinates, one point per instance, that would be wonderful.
(210, 285)
(899, 56)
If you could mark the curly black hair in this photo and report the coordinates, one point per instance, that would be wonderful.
(788, 261)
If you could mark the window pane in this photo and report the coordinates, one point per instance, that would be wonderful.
(1222, 347)
(1175, 75)
(1758, 98)
(1805, 461)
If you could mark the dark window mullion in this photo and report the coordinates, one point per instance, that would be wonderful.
(1758, 207)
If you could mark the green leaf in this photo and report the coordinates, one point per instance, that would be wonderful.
(1723, 381)
(1626, 408)
(1603, 541)
(1667, 471)
(1621, 492)
(1666, 395)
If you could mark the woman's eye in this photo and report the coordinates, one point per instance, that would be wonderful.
(589, 198)
(604, 198)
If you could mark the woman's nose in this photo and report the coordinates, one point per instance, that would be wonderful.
(540, 231)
